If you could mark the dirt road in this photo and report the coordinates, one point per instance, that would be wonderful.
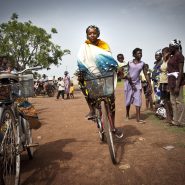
(70, 152)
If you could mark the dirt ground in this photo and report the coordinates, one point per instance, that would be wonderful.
(70, 152)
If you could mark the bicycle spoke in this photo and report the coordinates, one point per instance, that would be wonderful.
(10, 156)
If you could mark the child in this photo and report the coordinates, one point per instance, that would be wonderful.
(71, 92)
(122, 67)
(148, 95)
(61, 88)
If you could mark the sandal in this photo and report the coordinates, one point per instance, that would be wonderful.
(173, 123)
(141, 121)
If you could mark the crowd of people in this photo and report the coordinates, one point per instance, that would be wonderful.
(65, 86)
(165, 81)
(163, 85)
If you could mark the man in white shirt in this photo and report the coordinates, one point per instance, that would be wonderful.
(61, 88)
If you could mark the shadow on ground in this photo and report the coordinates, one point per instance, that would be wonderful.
(128, 131)
(45, 171)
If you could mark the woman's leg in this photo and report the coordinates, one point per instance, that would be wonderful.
(63, 94)
(169, 112)
(68, 96)
(150, 102)
(138, 113)
(174, 106)
(147, 102)
(127, 111)
(58, 95)
(91, 108)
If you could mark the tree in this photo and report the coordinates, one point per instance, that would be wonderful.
(29, 45)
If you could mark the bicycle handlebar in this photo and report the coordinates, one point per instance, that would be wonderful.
(31, 68)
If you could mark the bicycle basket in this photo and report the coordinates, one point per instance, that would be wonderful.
(101, 86)
(26, 85)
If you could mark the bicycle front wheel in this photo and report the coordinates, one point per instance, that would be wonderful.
(9, 149)
(28, 138)
(106, 115)
(99, 124)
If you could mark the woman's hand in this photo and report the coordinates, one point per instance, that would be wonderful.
(134, 88)
(176, 91)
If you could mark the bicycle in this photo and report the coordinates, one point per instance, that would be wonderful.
(15, 131)
(101, 89)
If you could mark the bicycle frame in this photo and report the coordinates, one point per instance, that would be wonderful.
(15, 133)
(98, 107)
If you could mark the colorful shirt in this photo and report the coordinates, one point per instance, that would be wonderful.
(71, 89)
(96, 59)
(156, 71)
(163, 74)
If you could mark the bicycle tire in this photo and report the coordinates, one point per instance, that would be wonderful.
(108, 130)
(100, 125)
(10, 155)
(28, 138)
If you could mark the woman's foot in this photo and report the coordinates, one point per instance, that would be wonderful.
(90, 114)
(141, 121)
(127, 119)
(174, 123)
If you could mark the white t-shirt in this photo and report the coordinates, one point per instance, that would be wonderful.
(60, 85)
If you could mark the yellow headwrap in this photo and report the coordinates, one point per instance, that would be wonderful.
(101, 44)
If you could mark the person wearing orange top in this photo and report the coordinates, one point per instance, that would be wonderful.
(95, 58)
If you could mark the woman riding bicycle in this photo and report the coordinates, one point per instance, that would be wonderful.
(95, 58)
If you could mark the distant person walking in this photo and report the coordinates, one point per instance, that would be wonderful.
(132, 84)
(61, 88)
(67, 83)
(71, 93)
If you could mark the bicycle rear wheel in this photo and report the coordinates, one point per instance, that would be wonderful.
(108, 130)
(28, 138)
(9, 149)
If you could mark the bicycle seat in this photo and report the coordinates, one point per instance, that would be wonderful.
(5, 75)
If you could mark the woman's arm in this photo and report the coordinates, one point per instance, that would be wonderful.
(145, 71)
(179, 79)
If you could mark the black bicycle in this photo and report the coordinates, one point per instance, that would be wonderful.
(15, 132)
(101, 89)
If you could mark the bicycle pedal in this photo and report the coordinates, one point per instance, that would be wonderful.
(92, 118)
(32, 145)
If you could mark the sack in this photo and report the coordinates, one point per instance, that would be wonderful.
(29, 113)
(161, 113)
(34, 122)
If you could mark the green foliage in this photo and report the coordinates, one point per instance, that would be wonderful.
(29, 45)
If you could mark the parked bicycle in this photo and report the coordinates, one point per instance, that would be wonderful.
(15, 132)
(101, 89)
(50, 90)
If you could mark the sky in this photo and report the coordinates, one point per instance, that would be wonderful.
(124, 25)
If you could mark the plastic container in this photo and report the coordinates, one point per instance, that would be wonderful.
(26, 85)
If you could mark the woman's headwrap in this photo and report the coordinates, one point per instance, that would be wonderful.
(158, 52)
(175, 42)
